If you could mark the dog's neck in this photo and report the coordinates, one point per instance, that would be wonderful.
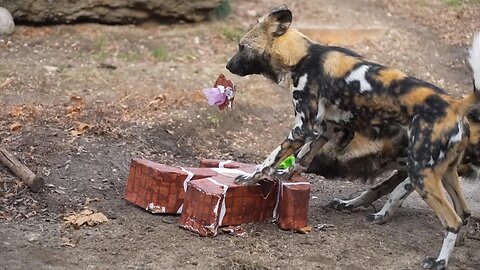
(288, 50)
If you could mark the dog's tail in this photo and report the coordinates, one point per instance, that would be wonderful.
(473, 100)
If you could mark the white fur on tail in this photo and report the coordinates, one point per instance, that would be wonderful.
(475, 59)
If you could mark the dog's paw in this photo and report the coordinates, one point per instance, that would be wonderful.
(432, 263)
(339, 204)
(247, 180)
(378, 218)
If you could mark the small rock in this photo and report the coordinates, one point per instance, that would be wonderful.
(31, 237)
(6, 22)
(251, 13)
(50, 68)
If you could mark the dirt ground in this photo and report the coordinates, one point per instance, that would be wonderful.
(86, 99)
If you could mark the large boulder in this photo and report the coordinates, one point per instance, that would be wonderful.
(6, 22)
(113, 12)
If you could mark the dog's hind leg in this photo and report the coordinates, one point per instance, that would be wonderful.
(451, 183)
(430, 189)
(395, 200)
(374, 193)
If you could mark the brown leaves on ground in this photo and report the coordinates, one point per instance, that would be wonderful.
(87, 217)
(23, 114)
(157, 102)
(80, 128)
(305, 230)
(15, 127)
(16, 111)
(75, 107)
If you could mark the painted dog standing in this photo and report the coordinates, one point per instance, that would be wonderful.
(337, 93)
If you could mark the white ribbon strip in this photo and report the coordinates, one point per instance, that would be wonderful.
(230, 172)
(280, 195)
(185, 185)
(223, 163)
(223, 208)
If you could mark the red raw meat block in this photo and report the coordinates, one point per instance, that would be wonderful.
(291, 211)
(217, 201)
(159, 188)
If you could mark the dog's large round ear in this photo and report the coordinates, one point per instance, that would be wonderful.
(281, 18)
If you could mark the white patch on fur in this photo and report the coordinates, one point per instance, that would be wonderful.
(304, 150)
(457, 137)
(447, 247)
(359, 75)
(320, 110)
(441, 155)
(270, 159)
(355, 202)
(475, 59)
(302, 82)
(298, 118)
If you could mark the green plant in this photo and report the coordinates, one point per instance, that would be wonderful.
(214, 119)
(221, 12)
(130, 56)
(160, 53)
(99, 52)
(458, 2)
(453, 2)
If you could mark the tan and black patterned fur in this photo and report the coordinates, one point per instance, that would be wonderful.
(337, 93)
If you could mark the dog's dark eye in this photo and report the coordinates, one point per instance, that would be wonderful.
(241, 47)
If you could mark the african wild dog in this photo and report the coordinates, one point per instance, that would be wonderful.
(337, 93)
(367, 159)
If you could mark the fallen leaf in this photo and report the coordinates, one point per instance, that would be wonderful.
(305, 230)
(73, 109)
(96, 218)
(16, 111)
(15, 127)
(77, 99)
(157, 101)
(80, 129)
(86, 217)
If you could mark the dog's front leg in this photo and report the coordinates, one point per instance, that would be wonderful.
(311, 148)
(289, 146)
(303, 132)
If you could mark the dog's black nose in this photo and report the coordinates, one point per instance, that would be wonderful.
(230, 65)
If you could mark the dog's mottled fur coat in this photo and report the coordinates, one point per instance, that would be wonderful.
(337, 94)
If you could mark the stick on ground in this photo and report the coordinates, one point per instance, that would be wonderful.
(35, 183)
